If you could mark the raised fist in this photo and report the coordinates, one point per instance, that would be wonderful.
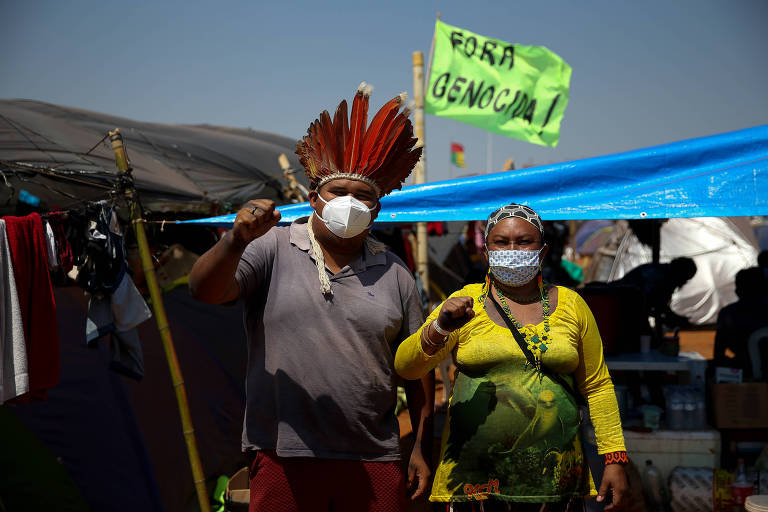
(254, 219)
(455, 312)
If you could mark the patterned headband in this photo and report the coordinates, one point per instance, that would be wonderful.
(514, 210)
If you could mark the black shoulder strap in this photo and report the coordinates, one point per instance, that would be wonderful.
(529, 355)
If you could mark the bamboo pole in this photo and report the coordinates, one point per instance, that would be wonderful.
(162, 325)
(419, 171)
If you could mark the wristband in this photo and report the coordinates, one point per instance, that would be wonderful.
(440, 330)
(428, 342)
(617, 458)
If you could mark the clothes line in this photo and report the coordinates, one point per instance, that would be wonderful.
(84, 245)
(723, 175)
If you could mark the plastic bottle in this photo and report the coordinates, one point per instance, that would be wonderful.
(675, 409)
(689, 401)
(701, 404)
(742, 486)
(653, 488)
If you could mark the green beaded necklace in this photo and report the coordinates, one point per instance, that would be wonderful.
(537, 345)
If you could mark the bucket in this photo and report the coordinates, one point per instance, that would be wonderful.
(237, 496)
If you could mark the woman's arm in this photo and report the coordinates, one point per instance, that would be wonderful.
(423, 350)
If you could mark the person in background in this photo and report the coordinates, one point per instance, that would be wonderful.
(522, 348)
(325, 307)
(737, 321)
(762, 262)
(657, 282)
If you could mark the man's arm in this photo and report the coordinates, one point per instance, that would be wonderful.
(420, 395)
(212, 278)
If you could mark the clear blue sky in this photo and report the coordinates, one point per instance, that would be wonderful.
(644, 73)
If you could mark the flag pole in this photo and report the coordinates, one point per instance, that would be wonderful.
(162, 321)
(419, 172)
(489, 155)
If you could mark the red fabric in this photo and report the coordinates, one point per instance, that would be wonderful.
(63, 248)
(435, 228)
(456, 147)
(296, 484)
(29, 255)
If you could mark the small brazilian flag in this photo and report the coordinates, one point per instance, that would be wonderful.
(457, 155)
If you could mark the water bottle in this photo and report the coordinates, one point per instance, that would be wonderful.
(689, 401)
(675, 409)
(742, 486)
(653, 488)
(701, 405)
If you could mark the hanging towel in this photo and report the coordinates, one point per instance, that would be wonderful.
(26, 239)
(14, 379)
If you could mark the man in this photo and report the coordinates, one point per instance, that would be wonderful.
(325, 307)
(737, 321)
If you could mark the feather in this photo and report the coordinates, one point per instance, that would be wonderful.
(377, 131)
(353, 141)
(329, 138)
(341, 127)
(383, 152)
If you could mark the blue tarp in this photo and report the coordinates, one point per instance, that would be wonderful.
(718, 176)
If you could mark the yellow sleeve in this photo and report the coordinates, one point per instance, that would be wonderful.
(411, 362)
(595, 384)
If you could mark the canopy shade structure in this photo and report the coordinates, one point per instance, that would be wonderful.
(722, 175)
(178, 164)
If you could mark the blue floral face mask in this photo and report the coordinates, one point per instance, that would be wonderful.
(514, 267)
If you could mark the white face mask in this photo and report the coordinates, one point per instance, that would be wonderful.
(346, 216)
(514, 267)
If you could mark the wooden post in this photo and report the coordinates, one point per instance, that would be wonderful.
(162, 325)
(419, 172)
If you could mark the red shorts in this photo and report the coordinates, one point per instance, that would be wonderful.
(299, 484)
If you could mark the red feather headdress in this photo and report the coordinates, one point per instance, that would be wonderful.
(382, 155)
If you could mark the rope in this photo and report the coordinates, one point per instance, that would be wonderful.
(317, 252)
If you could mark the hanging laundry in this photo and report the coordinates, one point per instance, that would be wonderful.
(50, 244)
(56, 219)
(116, 307)
(26, 240)
(98, 250)
(14, 379)
(118, 315)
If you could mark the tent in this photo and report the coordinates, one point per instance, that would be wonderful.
(54, 154)
(720, 247)
(120, 441)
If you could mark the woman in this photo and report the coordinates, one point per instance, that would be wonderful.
(512, 432)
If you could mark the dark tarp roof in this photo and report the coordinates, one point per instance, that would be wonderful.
(176, 163)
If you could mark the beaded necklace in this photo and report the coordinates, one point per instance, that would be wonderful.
(537, 345)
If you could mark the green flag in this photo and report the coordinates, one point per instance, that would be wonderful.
(510, 89)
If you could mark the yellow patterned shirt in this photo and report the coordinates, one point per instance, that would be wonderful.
(510, 432)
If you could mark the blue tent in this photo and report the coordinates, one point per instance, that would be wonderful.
(722, 175)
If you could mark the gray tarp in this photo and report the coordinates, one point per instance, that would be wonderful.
(178, 163)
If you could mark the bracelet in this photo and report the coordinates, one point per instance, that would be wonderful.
(428, 342)
(617, 458)
(440, 330)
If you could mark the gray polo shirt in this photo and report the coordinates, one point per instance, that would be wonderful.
(320, 380)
